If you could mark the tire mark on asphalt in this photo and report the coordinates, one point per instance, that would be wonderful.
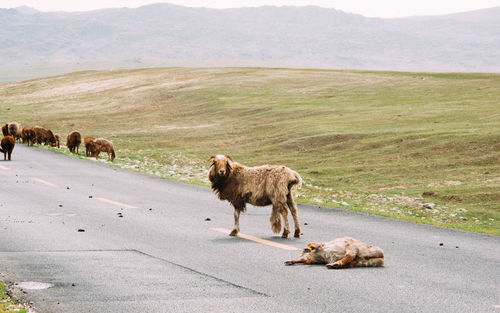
(203, 274)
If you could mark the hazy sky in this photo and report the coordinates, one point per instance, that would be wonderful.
(371, 8)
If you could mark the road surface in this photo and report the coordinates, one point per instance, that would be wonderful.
(112, 240)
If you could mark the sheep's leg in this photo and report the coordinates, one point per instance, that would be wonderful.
(286, 229)
(275, 218)
(236, 228)
(293, 209)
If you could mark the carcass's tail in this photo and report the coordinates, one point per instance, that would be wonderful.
(275, 221)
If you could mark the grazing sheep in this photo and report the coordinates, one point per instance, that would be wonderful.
(27, 135)
(5, 129)
(260, 186)
(341, 253)
(58, 140)
(15, 130)
(6, 146)
(99, 145)
(45, 136)
(73, 141)
(87, 141)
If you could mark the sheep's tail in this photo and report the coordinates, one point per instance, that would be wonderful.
(275, 220)
(113, 155)
(295, 181)
(1, 150)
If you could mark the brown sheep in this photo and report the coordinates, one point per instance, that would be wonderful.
(99, 145)
(58, 140)
(6, 146)
(27, 135)
(341, 253)
(73, 141)
(87, 141)
(260, 186)
(45, 136)
(5, 130)
(15, 130)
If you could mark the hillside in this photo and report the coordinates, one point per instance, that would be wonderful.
(265, 36)
(382, 142)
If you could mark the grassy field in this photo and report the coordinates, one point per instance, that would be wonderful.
(418, 146)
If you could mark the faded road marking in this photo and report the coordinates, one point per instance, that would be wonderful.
(497, 306)
(43, 182)
(116, 203)
(4, 168)
(259, 240)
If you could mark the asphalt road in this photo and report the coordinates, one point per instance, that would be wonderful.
(147, 246)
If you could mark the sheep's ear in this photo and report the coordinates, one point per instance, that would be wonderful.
(211, 158)
(230, 158)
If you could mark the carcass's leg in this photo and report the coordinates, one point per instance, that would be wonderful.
(299, 261)
(293, 209)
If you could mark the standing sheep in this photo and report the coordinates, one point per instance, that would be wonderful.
(5, 130)
(58, 140)
(15, 130)
(28, 135)
(87, 141)
(43, 135)
(73, 141)
(99, 145)
(6, 146)
(260, 186)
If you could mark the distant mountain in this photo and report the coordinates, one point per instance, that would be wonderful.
(273, 36)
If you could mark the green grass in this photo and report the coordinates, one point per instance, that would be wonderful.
(382, 142)
(9, 304)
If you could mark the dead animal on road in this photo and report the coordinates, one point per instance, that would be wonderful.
(260, 186)
(6, 146)
(73, 141)
(15, 130)
(87, 141)
(99, 145)
(342, 252)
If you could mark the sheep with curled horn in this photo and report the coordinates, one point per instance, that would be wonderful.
(259, 186)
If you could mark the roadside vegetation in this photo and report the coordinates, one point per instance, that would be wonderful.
(8, 303)
(423, 147)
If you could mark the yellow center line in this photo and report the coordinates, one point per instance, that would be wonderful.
(43, 182)
(256, 239)
(4, 167)
(116, 203)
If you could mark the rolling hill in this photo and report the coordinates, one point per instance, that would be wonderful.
(311, 37)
